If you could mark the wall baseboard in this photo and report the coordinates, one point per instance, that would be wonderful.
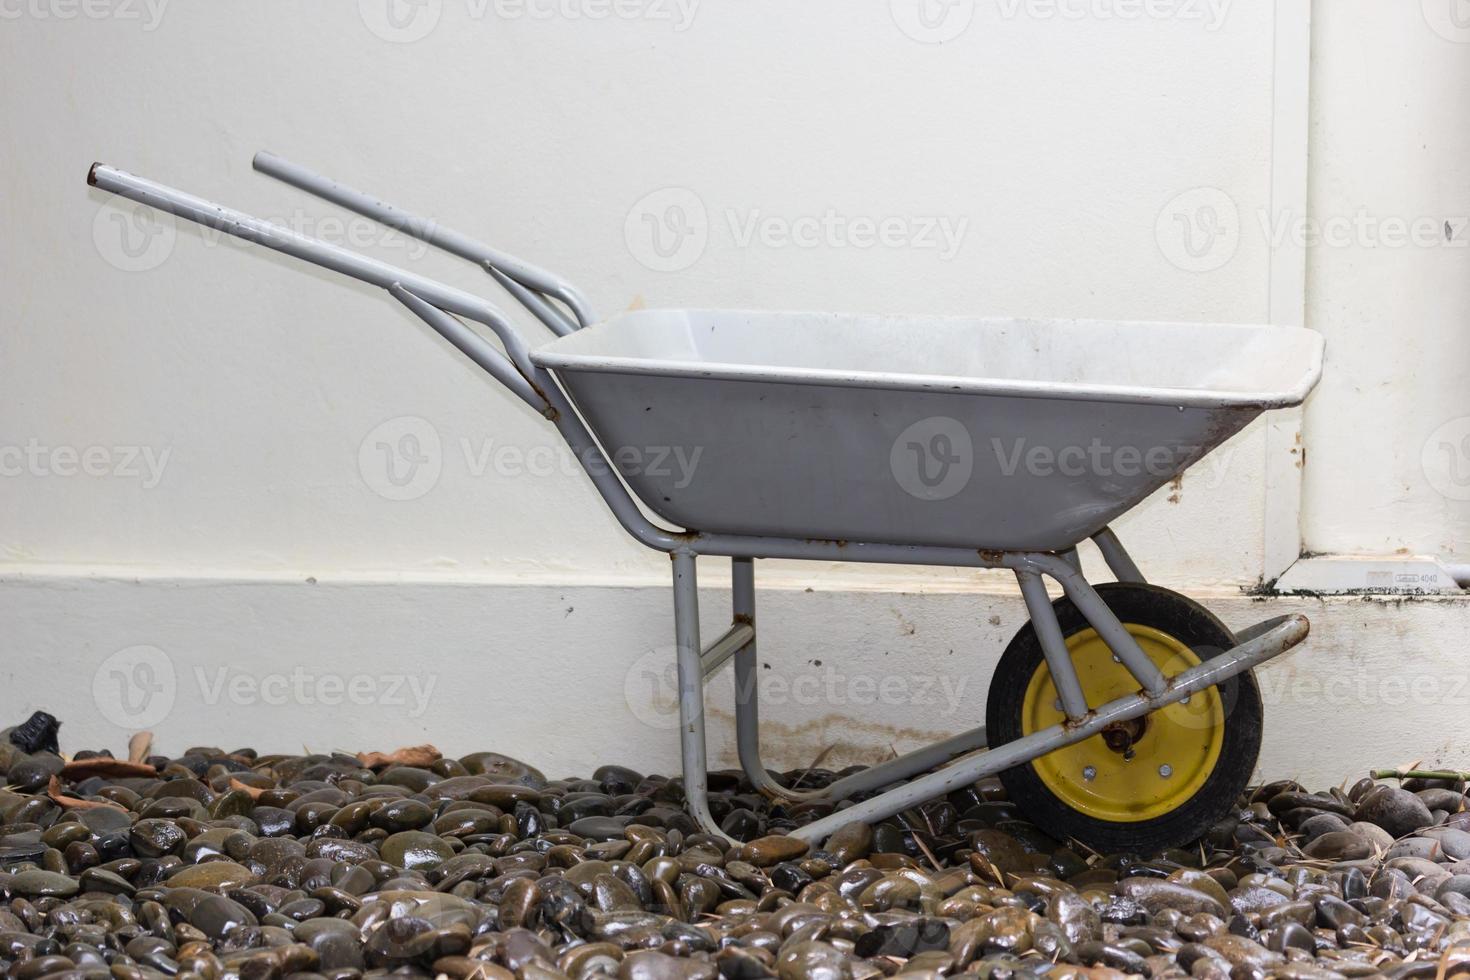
(569, 677)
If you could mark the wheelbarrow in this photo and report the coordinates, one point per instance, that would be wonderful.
(1123, 715)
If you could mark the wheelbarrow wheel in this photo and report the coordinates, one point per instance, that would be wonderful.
(1156, 782)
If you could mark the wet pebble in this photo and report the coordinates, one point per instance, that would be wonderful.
(228, 864)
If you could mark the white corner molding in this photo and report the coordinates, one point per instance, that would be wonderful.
(1363, 575)
(1287, 296)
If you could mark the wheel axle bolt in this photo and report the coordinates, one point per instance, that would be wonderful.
(1089, 774)
(1166, 771)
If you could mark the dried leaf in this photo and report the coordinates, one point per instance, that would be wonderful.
(414, 755)
(139, 746)
(254, 791)
(107, 766)
(53, 790)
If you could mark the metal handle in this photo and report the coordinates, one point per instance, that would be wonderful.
(529, 284)
(432, 301)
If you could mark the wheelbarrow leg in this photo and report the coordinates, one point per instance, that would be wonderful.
(747, 721)
(747, 697)
(747, 690)
(691, 692)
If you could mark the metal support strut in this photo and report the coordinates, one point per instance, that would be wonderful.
(959, 756)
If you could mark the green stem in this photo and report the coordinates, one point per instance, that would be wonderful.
(1419, 774)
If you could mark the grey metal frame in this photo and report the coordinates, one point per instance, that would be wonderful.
(563, 309)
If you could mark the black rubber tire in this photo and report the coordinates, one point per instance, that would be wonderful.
(1185, 620)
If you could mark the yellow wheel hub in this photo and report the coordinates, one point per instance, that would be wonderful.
(1154, 765)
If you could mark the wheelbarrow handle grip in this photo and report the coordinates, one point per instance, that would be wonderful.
(522, 279)
(401, 283)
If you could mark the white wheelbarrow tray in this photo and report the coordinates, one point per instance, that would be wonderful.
(956, 442)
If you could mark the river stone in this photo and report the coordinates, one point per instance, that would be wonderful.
(1156, 895)
(766, 851)
(414, 849)
(213, 875)
(37, 884)
(1397, 811)
(1339, 845)
(649, 964)
(812, 960)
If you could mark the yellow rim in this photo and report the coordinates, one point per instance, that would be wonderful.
(1170, 759)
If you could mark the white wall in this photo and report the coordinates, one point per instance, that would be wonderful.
(219, 409)
(1388, 433)
(1055, 148)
